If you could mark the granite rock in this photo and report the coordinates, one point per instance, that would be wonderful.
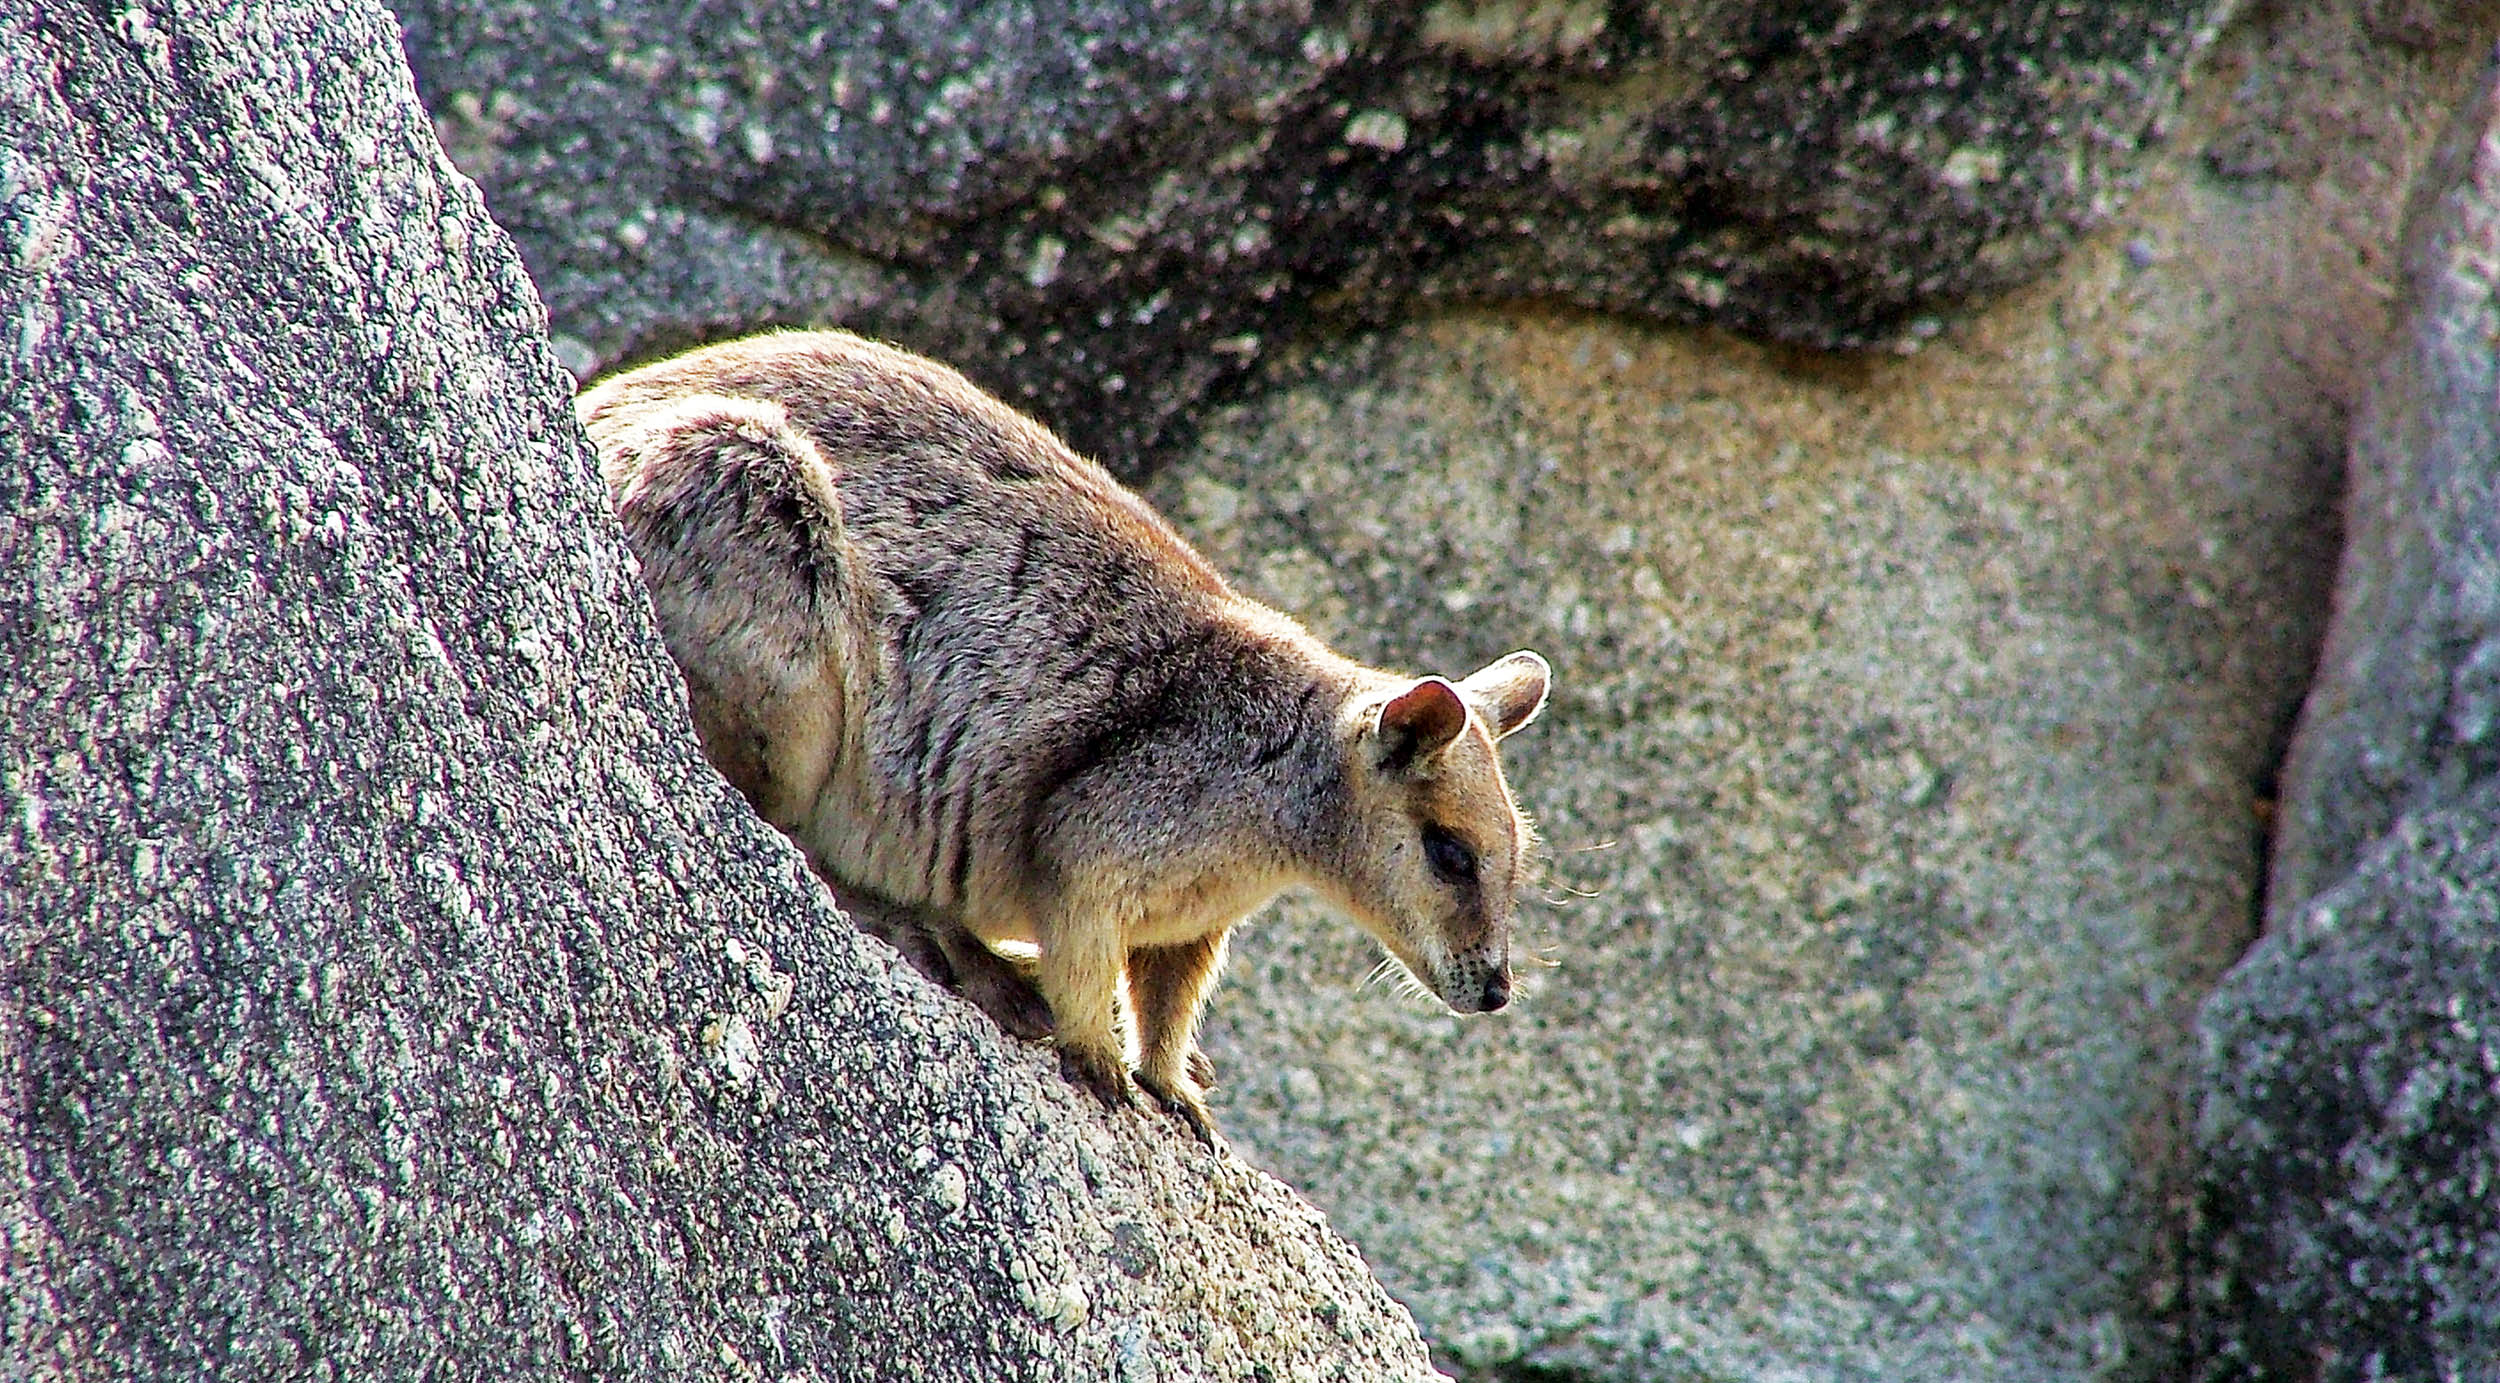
(387, 989)
(1105, 208)
(2350, 1128)
(1906, 784)
(2406, 708)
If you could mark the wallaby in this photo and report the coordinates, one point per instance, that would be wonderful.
(998, 701)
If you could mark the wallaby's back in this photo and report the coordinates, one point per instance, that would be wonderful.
(1004, 615)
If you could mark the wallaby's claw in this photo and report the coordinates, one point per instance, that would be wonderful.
(1100, 1073)
(1186, 1104)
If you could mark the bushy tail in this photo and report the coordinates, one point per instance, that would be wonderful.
(761, 598)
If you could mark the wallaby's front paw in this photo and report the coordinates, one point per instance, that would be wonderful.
(1201, 1070)
(898, 931)
(1101, 1072)
(1187, 1102)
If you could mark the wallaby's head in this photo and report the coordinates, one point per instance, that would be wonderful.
(1436, 850)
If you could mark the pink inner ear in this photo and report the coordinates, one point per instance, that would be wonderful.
(1429, 712)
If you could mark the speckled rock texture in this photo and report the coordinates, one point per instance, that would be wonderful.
(388, 991)
(1103, 208)
(2406, 710)
(2351, 1119)
(1914, 726)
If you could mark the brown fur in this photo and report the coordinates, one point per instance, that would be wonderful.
(999, 702)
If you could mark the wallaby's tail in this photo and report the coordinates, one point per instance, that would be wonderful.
(761, 598)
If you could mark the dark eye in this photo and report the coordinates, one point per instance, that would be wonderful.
(1449, 856)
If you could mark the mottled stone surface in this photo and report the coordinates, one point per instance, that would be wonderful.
(1103, 208)
(2351, 1123)
(1915, 723)
(2406, 710)
(1897, 782)
(386, 983)
(2351, 1082)
(386, 989)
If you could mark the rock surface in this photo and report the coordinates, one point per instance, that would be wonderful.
(2351, 1124)
(1913, 727)
(1102, 208)
(388, 989)
(2406, 709)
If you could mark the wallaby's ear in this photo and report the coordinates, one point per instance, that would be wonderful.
(1418, 722)
(1509, 691)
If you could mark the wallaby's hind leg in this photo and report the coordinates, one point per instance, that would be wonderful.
(996, 985)
(734, 516)
(1168, 988)
(954, 959)
(895, 925)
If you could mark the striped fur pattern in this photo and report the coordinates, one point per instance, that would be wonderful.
(998, 701)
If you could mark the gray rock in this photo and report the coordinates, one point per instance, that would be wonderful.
(389, 990)
(1913, 722)
(2406, 708)
(2350, 1132)
(1104, 208)
(1898, 795)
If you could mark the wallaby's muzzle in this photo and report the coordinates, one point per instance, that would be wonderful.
(1496, 993)
(1475, 982)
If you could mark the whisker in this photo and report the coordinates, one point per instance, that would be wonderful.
(1412, 988)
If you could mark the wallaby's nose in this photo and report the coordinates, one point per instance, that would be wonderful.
(1496, 992)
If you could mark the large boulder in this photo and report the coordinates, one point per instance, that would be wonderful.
(2350, 1130)
(386, 988)
(2350, 1135)
(1104, 207)
(1905, 783)
(2405, 712)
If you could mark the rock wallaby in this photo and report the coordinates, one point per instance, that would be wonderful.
(998, 701)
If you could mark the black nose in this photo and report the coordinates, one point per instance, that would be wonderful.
(1496, 993)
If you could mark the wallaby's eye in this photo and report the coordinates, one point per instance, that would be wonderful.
(1449, 856)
